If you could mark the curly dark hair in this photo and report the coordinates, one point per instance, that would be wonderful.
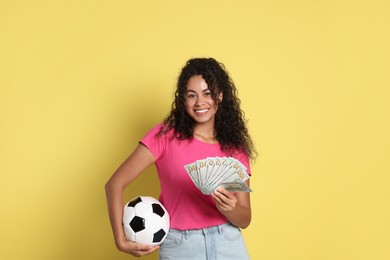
(230, 124)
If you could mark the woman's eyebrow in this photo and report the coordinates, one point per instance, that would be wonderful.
(205, 90)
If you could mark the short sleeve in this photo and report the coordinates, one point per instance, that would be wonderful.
(154, 142)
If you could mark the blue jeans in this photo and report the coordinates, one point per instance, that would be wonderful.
(214, 243)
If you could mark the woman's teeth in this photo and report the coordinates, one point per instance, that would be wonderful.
(201, 111)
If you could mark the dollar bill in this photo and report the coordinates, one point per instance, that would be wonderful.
(235, 186)
(212, 172)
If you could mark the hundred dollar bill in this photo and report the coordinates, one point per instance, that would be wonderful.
(235, 186)
(212, 172)
(192, 171)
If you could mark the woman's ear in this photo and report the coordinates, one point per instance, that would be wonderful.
(220, 97)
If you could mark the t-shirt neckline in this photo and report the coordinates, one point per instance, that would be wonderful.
(202, 142)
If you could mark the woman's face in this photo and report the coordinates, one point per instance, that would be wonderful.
(199, 101)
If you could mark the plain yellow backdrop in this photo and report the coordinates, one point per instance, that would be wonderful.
(82, 81)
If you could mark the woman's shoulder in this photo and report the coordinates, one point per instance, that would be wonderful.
(160, 129)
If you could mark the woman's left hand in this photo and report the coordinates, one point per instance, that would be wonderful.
(225, 200)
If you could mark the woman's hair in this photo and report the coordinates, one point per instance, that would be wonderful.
(230, 125)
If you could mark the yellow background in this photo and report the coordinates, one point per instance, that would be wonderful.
(82, 81)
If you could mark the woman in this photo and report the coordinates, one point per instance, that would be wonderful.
(205, 121)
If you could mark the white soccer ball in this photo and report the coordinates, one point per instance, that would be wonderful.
(145, 221)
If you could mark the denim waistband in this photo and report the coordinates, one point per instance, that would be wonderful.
(202, 231)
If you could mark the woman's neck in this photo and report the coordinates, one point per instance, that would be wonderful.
(205, 134)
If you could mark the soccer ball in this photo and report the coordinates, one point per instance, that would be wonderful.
(145, 221)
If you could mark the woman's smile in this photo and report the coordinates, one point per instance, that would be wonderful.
(201, 111)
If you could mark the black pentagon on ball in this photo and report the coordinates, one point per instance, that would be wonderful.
(158, 236)
(134, 202)
(137, 224)
(157, 209)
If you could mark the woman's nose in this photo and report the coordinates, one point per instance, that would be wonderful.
(199, 101)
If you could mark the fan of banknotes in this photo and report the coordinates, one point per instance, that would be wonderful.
(213, 172)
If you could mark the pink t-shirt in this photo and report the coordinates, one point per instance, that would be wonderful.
(188, 208)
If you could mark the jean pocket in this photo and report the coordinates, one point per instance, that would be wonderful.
(173, 239)
(231, 232)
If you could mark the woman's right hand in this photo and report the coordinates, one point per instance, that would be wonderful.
(135, 249)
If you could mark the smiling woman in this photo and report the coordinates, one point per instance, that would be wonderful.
(205, 121)
(200, 104)
(229, 126)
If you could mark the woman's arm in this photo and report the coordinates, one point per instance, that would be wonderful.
(137, 162)
(235, 207)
